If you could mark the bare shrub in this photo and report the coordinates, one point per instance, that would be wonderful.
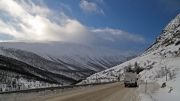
(177, 43)
(144, 63)
(160, 73)
(128, 68)
(172, 74)
(166, 71)
(139, 69)
(136, 68)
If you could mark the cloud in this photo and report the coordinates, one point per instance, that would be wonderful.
(91, 7)
(31, 22)
(68, 7)
(115, 34)
(38, 23)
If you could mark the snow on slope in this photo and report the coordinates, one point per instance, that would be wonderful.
(161, 58)
(55, 63)
(82, 56)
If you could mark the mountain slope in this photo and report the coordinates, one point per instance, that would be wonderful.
(169, 37)
(163, 55)
(54, 63)
(161, 63)
(19, 67)
(76, 56)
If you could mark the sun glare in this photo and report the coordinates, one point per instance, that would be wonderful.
(38, 26)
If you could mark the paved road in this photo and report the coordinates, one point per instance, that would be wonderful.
(109, 92)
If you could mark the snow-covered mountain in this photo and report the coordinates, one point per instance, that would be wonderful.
(71, 56)
(161, 58)
(56, 62)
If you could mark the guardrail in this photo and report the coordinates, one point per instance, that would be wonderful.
(52, 88)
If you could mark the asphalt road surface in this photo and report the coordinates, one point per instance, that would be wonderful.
(109, 92)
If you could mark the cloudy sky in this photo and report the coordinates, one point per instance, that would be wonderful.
(126, 25)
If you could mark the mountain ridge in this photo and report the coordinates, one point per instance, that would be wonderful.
(64, 69)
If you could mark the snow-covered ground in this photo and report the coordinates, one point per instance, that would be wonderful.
(155, 91)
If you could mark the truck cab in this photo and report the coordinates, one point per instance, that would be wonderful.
(130, 79)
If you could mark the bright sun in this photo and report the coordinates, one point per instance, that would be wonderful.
(38, 26)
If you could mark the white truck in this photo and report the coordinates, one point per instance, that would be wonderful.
(130, 79)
